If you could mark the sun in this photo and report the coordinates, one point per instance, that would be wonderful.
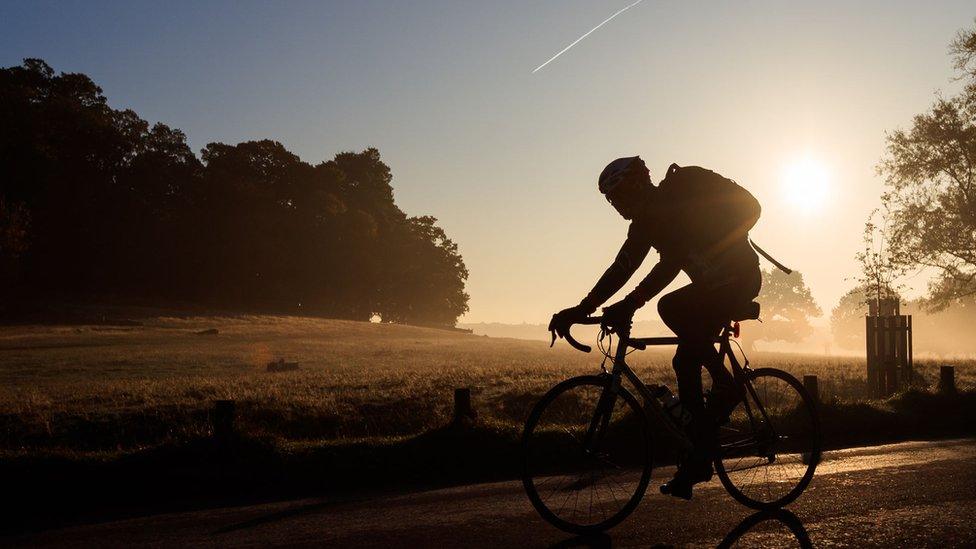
(806, 184)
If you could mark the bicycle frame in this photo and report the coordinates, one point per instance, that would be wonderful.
(746, 432)
(652, 406)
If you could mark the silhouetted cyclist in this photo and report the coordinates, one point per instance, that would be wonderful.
(698, 221)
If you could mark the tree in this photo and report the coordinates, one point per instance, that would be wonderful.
(95, 202)
(14, 241)
(427, 281)
(930, 177)
(787, 307)
(879, 267)
(847, 318)
(963, 51)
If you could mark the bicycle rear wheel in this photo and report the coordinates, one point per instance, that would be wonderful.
(585, 484)
(771, 446)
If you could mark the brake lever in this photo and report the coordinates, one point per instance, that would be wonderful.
(569, 339)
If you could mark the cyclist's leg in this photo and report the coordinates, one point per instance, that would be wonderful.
(721, 377)
(723, 302)
(678, 310)
(695, 315)
(681, 311)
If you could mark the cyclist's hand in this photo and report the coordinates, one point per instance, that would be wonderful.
(565, 318)
(620, 313)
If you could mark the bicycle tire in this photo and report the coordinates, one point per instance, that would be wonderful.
(809, 451)
(782, 516)
(599, 383)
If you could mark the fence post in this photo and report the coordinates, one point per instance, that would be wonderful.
(871, 345)
(810, 384)
(947, 380)
(911, 361)
(812, 389)
(222, 421)
(891, 366)
(462, 405)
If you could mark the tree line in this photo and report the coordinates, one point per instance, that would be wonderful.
(96, 201)
(929, 204)
(927, 221)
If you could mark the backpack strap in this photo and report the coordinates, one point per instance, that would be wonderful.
(763, 253)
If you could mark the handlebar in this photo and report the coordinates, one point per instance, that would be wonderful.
(731, 330)
(591, 320)
(569, 337)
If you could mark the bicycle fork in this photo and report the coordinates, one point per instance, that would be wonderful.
(601, 416)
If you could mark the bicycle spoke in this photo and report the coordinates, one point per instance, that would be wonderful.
(782, 431)
(590, 483)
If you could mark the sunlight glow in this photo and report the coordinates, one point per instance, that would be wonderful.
(806, 184)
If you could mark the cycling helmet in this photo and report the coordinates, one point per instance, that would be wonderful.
(617, 171)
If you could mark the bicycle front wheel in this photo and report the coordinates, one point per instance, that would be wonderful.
(581, 446)
(771, 446)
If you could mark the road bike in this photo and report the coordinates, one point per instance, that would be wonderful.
(587, 447)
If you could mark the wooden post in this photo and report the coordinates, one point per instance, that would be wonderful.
(891, 354)
(870, 341)
(901, 336)
(888, 348)
(462, 405)
(811, 385)
(911, 362)
(947, 380)
(222, 421)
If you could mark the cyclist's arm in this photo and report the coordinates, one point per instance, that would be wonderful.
(660, 276)
(628, 259)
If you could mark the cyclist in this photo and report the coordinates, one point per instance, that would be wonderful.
(698, 222)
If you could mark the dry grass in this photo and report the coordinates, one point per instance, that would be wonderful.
(98, 388)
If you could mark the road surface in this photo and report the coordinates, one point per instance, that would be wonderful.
(912, 494)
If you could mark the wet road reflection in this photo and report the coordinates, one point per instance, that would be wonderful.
(778, 528)
(765, 524)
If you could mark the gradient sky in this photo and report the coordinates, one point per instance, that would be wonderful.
(507, 159)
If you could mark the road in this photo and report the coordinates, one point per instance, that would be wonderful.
(911, 494)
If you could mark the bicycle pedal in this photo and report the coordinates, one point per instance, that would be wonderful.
(681, 490)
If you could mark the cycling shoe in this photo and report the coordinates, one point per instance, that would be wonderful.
(685, 477)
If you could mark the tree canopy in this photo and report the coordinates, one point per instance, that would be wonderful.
(930, 177)
(787, 307)
(96, 201)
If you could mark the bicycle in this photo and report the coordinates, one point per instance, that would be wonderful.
(588, 432)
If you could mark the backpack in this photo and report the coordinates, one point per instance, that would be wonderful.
(713, 210)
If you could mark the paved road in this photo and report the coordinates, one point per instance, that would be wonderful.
(902, 495)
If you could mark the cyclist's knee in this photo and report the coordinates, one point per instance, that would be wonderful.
(677, 364)
(664, 307)
(662, 304)
(685, 358)
(671, 313)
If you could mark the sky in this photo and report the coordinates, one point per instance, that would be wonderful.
(780, 96)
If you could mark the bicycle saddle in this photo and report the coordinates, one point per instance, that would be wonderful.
(746, 311)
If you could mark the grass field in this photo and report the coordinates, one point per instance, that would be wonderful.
(91, 389)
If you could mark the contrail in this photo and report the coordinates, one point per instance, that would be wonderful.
(607, 20)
